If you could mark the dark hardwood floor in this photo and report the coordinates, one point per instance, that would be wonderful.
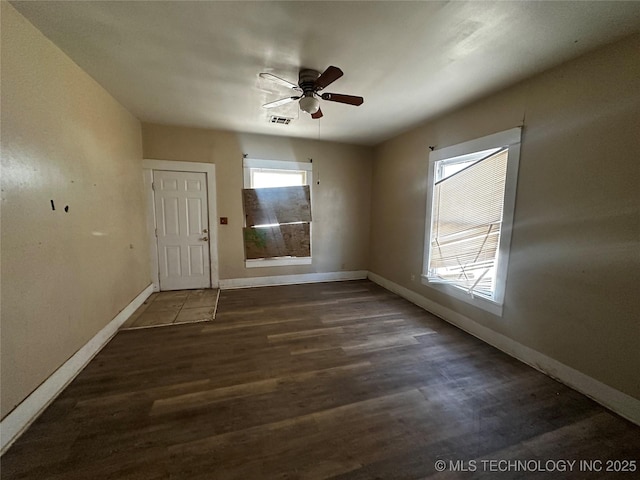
(337, 380)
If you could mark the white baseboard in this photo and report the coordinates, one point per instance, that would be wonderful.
(16, 422)
(615, 400)
(231, 283)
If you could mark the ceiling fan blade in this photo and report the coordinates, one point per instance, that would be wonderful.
(337, 97)
(329, 76)
(282, 101)
(281, 81)
(318, 114)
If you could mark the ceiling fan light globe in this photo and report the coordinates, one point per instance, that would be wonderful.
(309, 104)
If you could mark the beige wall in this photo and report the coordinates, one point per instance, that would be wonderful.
(64, 275)
(575, 252)
(574, 271)
(340, 202)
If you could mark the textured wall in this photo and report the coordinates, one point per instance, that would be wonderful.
(574, 269)
(65, 274)
(340, 202)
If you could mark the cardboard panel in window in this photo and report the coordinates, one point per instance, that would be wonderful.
(267, 206)
(288, 240)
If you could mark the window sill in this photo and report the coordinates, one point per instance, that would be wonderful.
(459, 294)
(277, 262)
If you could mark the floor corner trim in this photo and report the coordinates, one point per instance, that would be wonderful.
(21, 417)
(619, 402)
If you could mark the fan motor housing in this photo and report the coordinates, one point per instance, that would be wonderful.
(307, 79)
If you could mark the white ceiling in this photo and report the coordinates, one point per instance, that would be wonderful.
(197, 63)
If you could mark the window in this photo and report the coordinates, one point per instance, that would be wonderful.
(469, 218)
(273, 177)
(277, 206)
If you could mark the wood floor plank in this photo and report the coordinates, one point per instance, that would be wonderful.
(337, 380)
(316, 332)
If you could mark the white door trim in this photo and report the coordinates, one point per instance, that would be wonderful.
(148, 165)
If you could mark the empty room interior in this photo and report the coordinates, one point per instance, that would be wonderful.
(313, 239)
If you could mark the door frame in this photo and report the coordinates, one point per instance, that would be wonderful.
(209, 169)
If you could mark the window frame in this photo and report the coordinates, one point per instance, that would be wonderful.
(247, 165)
(511, 139)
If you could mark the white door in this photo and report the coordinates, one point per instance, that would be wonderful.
(182, 229)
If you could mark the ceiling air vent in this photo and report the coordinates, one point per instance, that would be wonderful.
(280, 120)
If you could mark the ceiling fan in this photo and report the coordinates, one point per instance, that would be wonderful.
(310, 83)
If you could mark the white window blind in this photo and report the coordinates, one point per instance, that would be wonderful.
(466, 221)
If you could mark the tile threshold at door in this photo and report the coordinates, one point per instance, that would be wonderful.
(175, 307)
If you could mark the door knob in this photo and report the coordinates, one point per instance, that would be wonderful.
(204, 239)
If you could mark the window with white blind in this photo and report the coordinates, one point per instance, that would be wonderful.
(469, 218)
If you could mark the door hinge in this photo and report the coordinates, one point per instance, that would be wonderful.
(153, 186)
(156, 232)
